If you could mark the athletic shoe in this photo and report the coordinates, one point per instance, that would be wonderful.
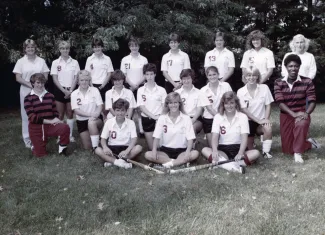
(64, 152)
(267, 155)
(314, 143)
(298, 158)
(29, 145)
(107, 164)
(72, 139)
(123, 164)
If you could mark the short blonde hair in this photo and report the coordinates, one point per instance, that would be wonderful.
(84, 73)
(253, 71)
(226, 97)
(173, 96)
(29, 42)
(299, 36)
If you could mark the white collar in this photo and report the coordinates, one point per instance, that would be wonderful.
(68, 60)
(115, 123)
(39, 96)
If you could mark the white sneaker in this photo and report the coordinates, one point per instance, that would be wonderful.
(107, 164)
(169, 164)
(123, 164)
(314, 143)
(72, 139)
(298, 158)
(267, 155)
(28, 145)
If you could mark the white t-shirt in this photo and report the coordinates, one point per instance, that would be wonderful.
(66, 70)
(307, 68)
(192, 99)
(214, 99)
(230, 133)
(174, 135)
(116, 135)
(153, 100)
(223, 60)
(263, 59)
(132, 66)
(255, 105)
(99, 67)
(174, 63)
(27, 68)
(87, 103)
(112, 95)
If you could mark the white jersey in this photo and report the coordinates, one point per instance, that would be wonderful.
(99, 67)
(116, 135)
(214, 99)
(255, 104)
(230, 133)
(223, 60)
(87, 103)
(65, 70)
(27, 68)
(174, 63)
(153, 100)
(174, 135)
(262, 59)
(192, 100)
(132, 66)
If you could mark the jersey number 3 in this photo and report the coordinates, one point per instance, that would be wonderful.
(165, 128)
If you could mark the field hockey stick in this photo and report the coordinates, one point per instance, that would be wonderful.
(200, 167)
(143, 166)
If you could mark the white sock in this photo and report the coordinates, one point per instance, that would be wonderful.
(70, 123)
(61, 148)
(267, 146)
(261, 138)
(169, 164)
(94, 140)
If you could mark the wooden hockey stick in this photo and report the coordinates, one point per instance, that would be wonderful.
(143, 166)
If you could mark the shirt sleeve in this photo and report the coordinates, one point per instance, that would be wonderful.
(231, 63)
(87, 66)
(77, 68)
(164, 66)
(139, 97)
(228, 87)
(74, 104)
(203, 100)
(241, 98)
(278, 94)
(268, 98)
(270, 60)
(54, 68)
(216, 124)
(45, 69)
(163, 97)
(133, 103)
(105, 132)
(133, 130)
(32, 115)
(312, 68)
(159, 128)
(310, 92)
(110, 65)
(122, 66)
(18, 67)
(206, 60)
(244, 62)
(190, 134)
(244, 127)
(99, 100)
(108, 100)
(187, 63)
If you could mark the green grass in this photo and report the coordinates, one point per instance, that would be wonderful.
(275, 196)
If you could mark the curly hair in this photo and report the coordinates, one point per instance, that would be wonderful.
(173, 97)
(226, 97)
(292, 58)
(299, 36)
(256, 34)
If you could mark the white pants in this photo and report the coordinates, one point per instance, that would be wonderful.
(24, 91)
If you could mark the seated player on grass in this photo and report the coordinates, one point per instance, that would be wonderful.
(174, 131)
(119, 91)
(119, 138)
(87, 104)
(255, 100)
(43, 118)
(229, 136)
(151, 100)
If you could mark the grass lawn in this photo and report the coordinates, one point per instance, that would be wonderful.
(76, 195)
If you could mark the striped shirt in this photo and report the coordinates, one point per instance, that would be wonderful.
(41, 107)
(294, 95)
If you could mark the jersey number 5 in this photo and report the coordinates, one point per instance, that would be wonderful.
(144, 98)
(165, 128)
(210, 99)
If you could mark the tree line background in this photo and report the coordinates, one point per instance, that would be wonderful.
(115, 21)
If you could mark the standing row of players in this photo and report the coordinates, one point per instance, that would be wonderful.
(65, 68)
